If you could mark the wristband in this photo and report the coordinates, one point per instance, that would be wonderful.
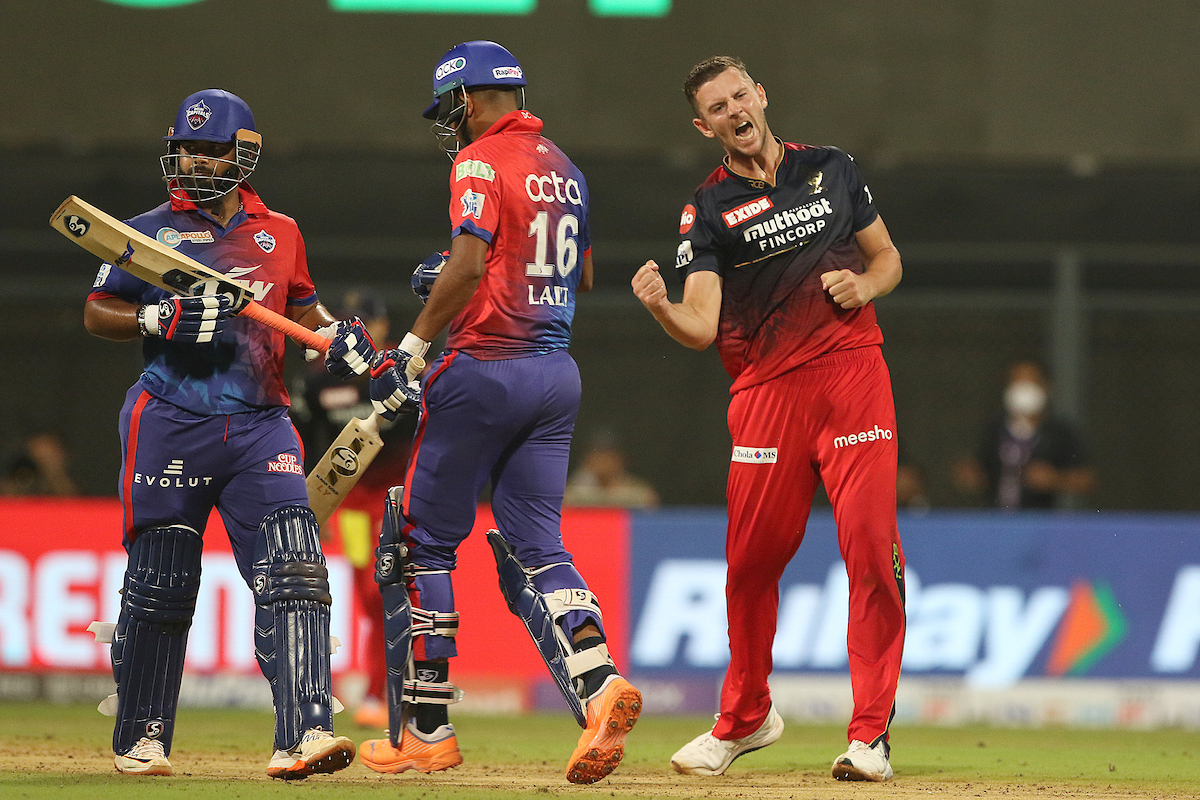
(147, 319)
(414, 345)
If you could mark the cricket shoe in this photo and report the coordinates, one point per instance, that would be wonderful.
(611, 714)
(424, 752)
(708, 755)
(862, 762)
(319, 751)
(147, 757)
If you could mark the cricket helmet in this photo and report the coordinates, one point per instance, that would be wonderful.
(212, 115)
(472, 64)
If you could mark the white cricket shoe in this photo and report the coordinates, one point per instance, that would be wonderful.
(862, 762)
(708, 755)
(318, 751)
(147, 757)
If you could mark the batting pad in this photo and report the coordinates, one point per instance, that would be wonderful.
(148, 643)
(291, 622)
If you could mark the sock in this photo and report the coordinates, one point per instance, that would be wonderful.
(593, 679)
(431, 716)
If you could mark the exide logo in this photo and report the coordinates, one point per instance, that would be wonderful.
(746, 211)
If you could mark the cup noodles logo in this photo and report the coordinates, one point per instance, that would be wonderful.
(687, 219)
(745, 211)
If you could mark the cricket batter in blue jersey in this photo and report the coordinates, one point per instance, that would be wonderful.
(499, 405)
(207, 425)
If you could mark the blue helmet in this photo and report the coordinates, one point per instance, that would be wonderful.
(471, 64)
(213, 115)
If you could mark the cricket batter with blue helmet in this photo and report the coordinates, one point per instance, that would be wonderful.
(207, 425)
(498, 405)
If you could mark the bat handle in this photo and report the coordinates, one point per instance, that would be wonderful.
(295, 330)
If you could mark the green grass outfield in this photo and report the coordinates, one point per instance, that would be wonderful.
(63, 751)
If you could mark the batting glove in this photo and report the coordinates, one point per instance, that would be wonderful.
(351, 350)
(426, 273)
(190, 320)
(392, 390)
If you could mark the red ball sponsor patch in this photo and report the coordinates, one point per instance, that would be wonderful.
(687, 219)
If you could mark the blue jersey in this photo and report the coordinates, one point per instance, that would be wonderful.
(243, 368)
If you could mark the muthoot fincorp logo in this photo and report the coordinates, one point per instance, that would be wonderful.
(863, 436)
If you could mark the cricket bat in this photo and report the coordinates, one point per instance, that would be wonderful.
(342, 465)
(108, 238)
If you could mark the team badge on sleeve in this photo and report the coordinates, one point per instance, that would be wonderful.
(265, 240)
(687, 219)
(102, 275)
(472, 204)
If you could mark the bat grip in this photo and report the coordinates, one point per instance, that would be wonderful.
(295, 330)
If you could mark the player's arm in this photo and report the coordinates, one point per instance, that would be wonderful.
(111, 318)
(454, 287)
(880, 275)
(693, 322)
(312, 316)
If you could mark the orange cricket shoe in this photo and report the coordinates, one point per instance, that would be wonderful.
(424, 752)
(611, 714)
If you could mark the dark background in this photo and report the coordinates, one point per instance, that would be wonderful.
(1038, 166)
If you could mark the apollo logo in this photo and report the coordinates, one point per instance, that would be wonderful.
(747, 211)
(449, 67)
(755, 455)
(875, 435)
(547, 189)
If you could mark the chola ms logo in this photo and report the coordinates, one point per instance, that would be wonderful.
(445, 68)
(198, 114)
(745, 211)
(863, 436)
(755, 455)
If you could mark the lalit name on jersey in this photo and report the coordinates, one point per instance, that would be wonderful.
(550, 296)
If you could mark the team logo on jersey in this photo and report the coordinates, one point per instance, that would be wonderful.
(448, 67)
(474, 169)
(197, 115)
(472, 204)
(687, 219)
(755, 455)
(541, 148)
(507, 72)
(286, 462)
(265, 240)
(745, 211)
(815, 183)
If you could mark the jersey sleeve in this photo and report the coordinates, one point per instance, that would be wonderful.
(860, 194)
(698, 249)
(113, 282)
(301, 292)
(474, 195)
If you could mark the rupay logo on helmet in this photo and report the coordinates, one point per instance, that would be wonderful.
(506, 72)
(453, 65)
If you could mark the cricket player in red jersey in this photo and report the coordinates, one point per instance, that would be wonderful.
(498, 405)
(782, 253)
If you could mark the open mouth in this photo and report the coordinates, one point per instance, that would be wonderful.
(744, 132)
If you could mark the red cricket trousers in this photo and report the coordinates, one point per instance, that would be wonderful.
(832, 420)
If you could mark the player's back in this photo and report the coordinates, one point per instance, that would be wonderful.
(518, 191)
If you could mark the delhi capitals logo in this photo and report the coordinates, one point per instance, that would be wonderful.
(265, 240)
(198, 114)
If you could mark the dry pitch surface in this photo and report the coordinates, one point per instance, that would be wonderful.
(48, 751)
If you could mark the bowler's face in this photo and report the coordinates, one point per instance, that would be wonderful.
(733, 111)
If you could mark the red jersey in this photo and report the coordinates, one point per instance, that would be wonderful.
(770, 245)
(513, 188)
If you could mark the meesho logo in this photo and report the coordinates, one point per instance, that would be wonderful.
(862, 436)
